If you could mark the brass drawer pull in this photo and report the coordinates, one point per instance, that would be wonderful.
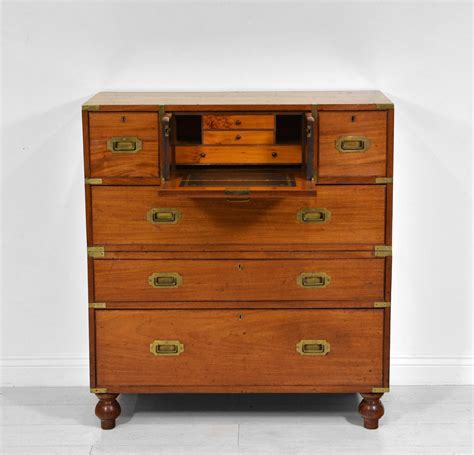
(352, 143)
(313, 215)
(166, 347)
(237, 192)
(313, 280)
(165, 280)
(124, 144)
(313, 347)
(163, 215)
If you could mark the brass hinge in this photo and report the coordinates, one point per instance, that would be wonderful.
(382, 251)
(98, 390)
(96, 251)
(379, 304)
(93, 181)
(383, 107)
(90, 107)
(314, 112)
(97, 305)
(380, 389)
(384, 180)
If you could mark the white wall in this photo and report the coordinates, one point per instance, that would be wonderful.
(55, 55)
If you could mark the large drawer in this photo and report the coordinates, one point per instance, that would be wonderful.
(246, 347)
(238, 280)
(337, 215)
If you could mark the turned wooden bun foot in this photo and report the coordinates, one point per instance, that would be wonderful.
(371, 409)
(107, 409)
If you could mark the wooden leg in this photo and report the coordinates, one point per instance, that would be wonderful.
(371, 409)
(107, 409)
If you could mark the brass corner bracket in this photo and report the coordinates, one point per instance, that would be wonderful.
(93, 181)
(380, 389)
(385, 106)
(381, 304)
(90, 107)
(98, 390)
(382, 251)
(384, 180)
(98, 305)
(96, 251)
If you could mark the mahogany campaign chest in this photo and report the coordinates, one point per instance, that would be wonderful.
(239, 243)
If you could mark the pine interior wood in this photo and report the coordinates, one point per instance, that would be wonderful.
(231, 347)
(220, 194)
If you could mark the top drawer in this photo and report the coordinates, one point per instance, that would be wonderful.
(123, 144)
(353, 144)
(238, 122)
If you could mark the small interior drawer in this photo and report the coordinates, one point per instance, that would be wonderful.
(238, 122)
(242, 137)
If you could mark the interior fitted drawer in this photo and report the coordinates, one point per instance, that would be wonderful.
(247, 347)
(238, 122)
(352, 144)
(231, 280)
(238, 138)
(337, 215)
(123, 144)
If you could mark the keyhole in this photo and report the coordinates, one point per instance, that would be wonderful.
(353, 118)
(241, 316)
(239, 266)
(123, 118)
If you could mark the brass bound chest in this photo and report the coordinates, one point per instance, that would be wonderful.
(239, 242)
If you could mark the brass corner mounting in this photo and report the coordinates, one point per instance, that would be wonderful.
(385, 106)
(381, 180)
(93, 181)
(381, 304)
(382, 251)
(380, 389)
(90, 107)
(96, 252)
(98, 305)
(98, 390)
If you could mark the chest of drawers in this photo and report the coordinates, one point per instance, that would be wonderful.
(239, 243)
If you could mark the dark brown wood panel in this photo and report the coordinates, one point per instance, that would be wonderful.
(231, 347)
(334, 125)
(231, 280)
(357, 217)
(105, 163)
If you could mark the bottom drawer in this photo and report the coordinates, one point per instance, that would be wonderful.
(242, 348)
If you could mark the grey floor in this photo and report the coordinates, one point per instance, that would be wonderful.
(418, 419)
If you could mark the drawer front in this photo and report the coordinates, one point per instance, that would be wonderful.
(352, 144)
(337, 215)
(251, 154)
(247, 347)
(238, 122)
(231, 280)
(238, 138)
(123, 144)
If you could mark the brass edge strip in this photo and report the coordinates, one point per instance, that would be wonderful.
(385, 106)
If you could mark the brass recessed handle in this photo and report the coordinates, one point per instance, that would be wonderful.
(313, 215)
(313, 280)
(313, 347)
(352, 143)
(166, 347)
(165, 280)
(163, 215)
(120, 144)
